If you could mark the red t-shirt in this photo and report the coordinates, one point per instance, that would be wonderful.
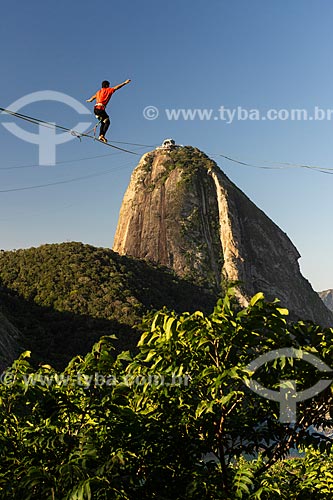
(103, 96)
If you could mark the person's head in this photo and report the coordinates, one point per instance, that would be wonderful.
(105, 84)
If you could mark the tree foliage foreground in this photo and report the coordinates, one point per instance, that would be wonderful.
(177, 421)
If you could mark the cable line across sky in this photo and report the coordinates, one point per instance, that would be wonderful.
(278, 165)
(79, 135)
(65, 181)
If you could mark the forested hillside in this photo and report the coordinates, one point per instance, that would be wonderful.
(64, 297)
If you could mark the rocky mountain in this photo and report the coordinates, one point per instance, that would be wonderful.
(180, 210)
(327, 297)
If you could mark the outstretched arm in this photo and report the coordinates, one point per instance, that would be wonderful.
(91, 98)
(117, 87)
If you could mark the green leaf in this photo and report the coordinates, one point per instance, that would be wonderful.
(150, 355)
(282, 311)
(168, 328)
(258, 296)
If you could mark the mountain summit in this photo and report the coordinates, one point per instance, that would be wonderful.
(180, 210)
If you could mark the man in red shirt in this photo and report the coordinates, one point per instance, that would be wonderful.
(102, 97)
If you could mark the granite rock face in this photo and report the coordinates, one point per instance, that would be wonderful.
(180, 210)
(169, 215)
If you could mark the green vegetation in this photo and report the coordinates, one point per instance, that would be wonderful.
(190, 160)
(175, 422)
(169, 419)
(149, 160)
(64, 297)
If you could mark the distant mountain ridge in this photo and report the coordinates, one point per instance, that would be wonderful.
(327, 297)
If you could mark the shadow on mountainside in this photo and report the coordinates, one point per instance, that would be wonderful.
(63, 297)
(55, 337)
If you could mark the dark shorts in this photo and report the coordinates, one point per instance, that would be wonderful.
(101, 114)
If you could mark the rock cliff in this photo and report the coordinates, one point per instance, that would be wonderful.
(182, 211)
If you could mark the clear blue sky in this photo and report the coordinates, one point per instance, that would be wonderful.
(179, 54)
